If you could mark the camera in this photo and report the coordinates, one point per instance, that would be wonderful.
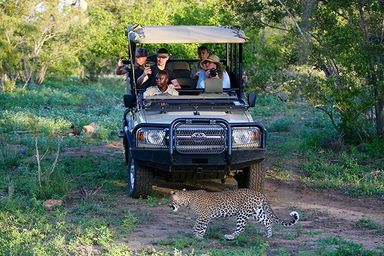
(126, 62)
(213, 72)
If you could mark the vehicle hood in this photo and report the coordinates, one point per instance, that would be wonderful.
(233, 116)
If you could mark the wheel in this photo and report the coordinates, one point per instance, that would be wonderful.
(140, 179)
(251, 177)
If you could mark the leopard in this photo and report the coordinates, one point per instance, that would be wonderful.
(242, 203)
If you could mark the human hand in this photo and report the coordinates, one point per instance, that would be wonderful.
(120, 63)
(174, 86)
(147, 71)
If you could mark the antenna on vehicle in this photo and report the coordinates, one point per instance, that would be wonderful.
(130, 29)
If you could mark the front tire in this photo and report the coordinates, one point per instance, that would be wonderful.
(140, 179)
(251, 177)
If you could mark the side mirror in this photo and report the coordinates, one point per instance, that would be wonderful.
(251, 99)
(129, 100)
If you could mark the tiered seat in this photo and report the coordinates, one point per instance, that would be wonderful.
(182, 71)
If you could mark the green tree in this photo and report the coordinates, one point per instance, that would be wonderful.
(86, 38)
(33, 33)
(344, 40)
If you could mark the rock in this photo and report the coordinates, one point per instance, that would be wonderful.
(282, 96)
(90, 128)
(49, 204)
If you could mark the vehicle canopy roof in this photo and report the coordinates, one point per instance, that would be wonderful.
(184, 34)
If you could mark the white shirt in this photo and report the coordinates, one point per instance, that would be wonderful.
(154, 90)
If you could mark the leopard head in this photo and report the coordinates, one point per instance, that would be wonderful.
(179, 198)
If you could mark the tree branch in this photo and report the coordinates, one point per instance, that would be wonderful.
(271, 26)
(56, 159)
(330, 114)
(294, 20)
(363, 25)
(39, 172)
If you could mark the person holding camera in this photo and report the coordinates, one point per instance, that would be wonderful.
(161, 64)
(212, 69)
(162, 86)
(141, 68)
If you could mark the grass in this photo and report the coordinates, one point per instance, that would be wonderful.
(365, 223)
(90, 176)
(337, 246)
(300, 142)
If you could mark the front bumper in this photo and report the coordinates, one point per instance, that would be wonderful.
(162, 160)
(171, 159)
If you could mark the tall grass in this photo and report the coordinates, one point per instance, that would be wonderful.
(46, 114)
(304, 139)
(88, 176)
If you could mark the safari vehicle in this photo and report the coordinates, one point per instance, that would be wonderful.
(198, 134)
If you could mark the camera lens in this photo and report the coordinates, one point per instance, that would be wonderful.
(213, 72)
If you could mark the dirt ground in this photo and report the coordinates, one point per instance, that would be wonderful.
(323, 214)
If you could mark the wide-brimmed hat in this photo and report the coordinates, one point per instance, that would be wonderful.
(141, 52)
(211, 58)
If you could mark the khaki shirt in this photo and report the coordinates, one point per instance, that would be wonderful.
(154, 90)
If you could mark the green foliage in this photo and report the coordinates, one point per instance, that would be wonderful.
(182, 242)
(366, 223)
(281, 125)
(264, 59)
(88, 42)
(345, 172)
(336, 62)
(342, 247)
(91, 179)
(32, 34)
(47, 112)
(303, 138)
(129, 222)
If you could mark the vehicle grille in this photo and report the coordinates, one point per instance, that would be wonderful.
(200, 138)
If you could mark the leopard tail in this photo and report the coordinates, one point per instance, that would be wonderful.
(285, 223)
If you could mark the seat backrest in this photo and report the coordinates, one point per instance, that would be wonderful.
(187, 82)
(182, 73)
(213, 86)
(179, 65)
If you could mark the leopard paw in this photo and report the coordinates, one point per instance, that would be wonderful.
(198, 236)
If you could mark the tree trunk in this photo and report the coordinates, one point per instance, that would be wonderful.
(2, 77)
(379, 114)
(43, 71)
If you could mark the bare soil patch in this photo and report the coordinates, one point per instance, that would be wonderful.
(323, 213)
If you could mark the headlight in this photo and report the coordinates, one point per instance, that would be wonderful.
(150, 138)
(248, 137)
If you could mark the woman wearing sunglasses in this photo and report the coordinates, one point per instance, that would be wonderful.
(212, 69)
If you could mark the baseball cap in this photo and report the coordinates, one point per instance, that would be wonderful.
(141, 52)
(163, 52)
